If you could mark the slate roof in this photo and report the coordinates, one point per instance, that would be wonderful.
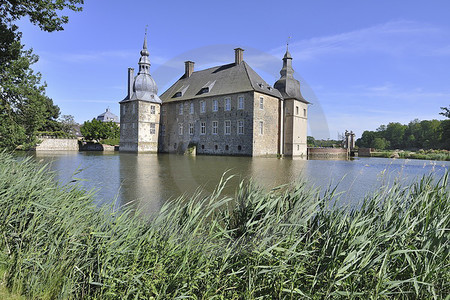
(220, 80)
(108, 116)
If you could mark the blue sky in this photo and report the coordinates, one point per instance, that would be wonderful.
(361, 63)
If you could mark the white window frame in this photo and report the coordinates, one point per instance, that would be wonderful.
(215, 127)
(240, 127)
(152, 128)
(227, 104)
(297, 110)
(241, 101)
(261, 102)
(180, 128)
(180, 108)
(202, 107)
(304, 112)
(191, 109)
(227, 127)
(261, 127)
(202, 128)
(152, 109)
(191, 128)
(215, 105)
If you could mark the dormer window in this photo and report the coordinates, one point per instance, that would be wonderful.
(177, 94)
(260, 85)
(204, 90)
(269, 88)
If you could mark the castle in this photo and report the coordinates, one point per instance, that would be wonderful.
(224, 110)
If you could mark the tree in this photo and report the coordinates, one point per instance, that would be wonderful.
(67, 124)
(380, 143)
(96, 130)
(24, 107)
(445, 112)
(394, 134)
(23, 103)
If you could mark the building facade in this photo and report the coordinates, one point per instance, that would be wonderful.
(224, 110)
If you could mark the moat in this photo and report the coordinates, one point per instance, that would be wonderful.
(149, 179)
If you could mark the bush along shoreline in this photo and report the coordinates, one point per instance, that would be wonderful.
(442, 155)
(282, 244)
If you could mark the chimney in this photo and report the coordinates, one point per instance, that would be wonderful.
(238, 55)
(130, 82)
(188, 68)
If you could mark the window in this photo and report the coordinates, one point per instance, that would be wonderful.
(261, 102)
(215, 147)
(227, 127)
(163, 130)
(180, 106)
(204, 90)
(163, 110)
(215, 124)
(180, 129)
(296, 110)
(134, 125)
(152, 128)
(239, 148)
(152, 109)
(191, 109)
(191, 128)
(134, 108)
(261, 127)
(227, 147)
(177, 94)
(240, 127)
(203, 146)
(215, 105)
(227, 104)
(241, 102)
(202, 106)
(304, 112)
(203, 128)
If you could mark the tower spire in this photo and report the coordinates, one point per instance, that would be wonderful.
(144, 61)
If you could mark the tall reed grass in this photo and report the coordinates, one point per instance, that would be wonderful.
(282, 244)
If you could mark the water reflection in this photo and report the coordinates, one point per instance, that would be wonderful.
(148, 180)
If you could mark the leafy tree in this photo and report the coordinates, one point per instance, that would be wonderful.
(394, 134)
(380, 143)
(310, 141)
(96, 130)
(67, 124)
(24, 107)
(445, 112)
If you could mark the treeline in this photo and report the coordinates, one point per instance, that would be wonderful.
(312, 142)
(427, 134)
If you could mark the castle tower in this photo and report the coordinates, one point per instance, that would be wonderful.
(294, 111)
(140, 110)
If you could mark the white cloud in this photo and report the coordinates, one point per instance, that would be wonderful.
(392, 38)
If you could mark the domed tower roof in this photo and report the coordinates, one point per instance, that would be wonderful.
(288, 86)
(144, 87)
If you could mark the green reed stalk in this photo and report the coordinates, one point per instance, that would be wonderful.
(288, 243)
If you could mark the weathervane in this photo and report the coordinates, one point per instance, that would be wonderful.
(287, 42)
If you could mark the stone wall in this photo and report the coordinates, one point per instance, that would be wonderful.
(136, 119)
(50, 144)
(325, 153)
(365, 152)
(176, 136)
(295, 127)
(265, 141)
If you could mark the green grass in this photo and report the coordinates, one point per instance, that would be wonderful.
(421, 154)
(284, 244)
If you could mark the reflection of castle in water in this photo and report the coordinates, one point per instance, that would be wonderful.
(149, 180)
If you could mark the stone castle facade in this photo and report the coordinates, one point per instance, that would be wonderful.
(224, 110)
